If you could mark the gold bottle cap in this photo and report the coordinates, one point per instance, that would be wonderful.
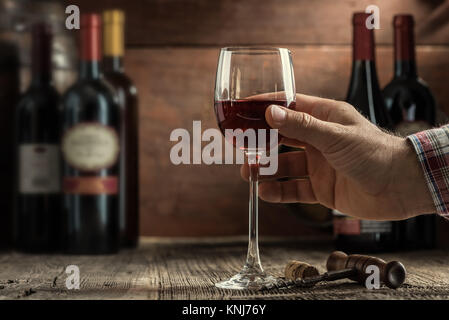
(113, 32)
(113, 16)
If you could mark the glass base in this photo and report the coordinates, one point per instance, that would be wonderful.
(249, 279)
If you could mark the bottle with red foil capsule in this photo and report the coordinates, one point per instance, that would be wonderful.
(353, 235)
(412, 108)
(90, 147)
(38, 211)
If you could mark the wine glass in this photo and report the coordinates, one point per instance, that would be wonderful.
(248, 81)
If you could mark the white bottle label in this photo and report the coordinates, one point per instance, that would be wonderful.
(39, 168)
(90, 146)
(345, 225)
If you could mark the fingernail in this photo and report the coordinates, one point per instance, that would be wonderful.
(278, 114)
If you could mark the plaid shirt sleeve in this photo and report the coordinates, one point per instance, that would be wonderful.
(432, 147)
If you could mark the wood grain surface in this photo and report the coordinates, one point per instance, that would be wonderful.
(286, 22)
(187, 269)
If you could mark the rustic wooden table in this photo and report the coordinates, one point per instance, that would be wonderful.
(188, 269)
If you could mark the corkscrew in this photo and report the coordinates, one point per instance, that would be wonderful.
(342, 266)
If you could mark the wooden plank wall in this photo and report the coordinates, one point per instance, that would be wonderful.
(172, 50)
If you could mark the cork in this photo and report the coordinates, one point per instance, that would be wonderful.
(299, 270)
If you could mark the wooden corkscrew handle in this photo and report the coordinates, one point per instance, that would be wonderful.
(392, 274)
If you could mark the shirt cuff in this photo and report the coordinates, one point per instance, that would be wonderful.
(432, 148)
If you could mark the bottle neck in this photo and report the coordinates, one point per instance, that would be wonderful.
(90, 55)
(41, 69)
(363, 43)
(364, 65)
(405, 69)
(364, 77)
(90, 69)
(113, 40)
(113, 64)
(404, 52)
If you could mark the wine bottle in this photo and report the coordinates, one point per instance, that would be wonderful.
(126, 94)
(412, 109)
(90, 147)
(37, 133)
(9, 96)
(353, 235)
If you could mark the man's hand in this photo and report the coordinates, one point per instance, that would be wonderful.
(348, 164)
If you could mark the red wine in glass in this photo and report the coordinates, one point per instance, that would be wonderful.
(246, 114)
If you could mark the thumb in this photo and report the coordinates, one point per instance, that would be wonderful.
(303, 127)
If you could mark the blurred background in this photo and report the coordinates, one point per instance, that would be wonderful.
(172, 49)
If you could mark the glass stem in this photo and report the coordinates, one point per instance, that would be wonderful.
(253, 258)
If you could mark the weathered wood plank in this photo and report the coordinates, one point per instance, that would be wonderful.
(176, 87)
(229, 22)
(188, 269)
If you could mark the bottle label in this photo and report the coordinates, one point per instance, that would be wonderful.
(39, 168)
(90, 146)
(344, 225)
(406, 128)
(369, 226)
(90, 185)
